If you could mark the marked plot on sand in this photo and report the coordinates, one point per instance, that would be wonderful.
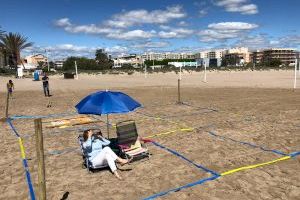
(218, 155)
(146, 177)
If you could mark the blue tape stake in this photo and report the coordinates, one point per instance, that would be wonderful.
(248, 144)
(182, 187)
(186, 159)
(28, 179)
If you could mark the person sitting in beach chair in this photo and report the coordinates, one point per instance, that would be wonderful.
(129, 142)
(98, 154)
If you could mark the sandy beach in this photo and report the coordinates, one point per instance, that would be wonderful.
(257, 107)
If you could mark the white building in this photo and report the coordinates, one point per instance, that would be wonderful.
(35, 59)
(167, 55)
(183, 64)
(59, 63)
(218, 53)
(238, 51)
(131, 59)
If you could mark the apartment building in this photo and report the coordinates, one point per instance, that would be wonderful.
(59, 64)
(202, 54)
(168, 55)
(131, 59)
(285, 55)
(215, 54)
(35, 59)
(256, 56)
(239, 53)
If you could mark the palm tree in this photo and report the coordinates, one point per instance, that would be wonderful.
(1, 32)
(14, 43)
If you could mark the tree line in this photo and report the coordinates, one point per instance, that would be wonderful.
(101, 62)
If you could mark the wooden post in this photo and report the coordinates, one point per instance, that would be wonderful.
(76, 70)
(295, 77)
(179, 100)
(40, 158)
(7, 104)
(204, 79)
(107, 123)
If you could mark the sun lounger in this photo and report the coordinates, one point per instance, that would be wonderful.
(130, 144)
(86, 163)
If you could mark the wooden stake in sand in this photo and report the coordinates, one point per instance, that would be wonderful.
(204, 78)
(107, 125)
(40, 157)
(7, 104)
(145, 70)
(179, 98)
(295, 78)
(76, 70)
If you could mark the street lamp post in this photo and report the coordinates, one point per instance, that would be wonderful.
(47, 60)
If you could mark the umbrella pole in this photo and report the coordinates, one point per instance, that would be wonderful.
(107, 123)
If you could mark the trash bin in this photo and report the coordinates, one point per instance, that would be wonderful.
(69, 75)
(36, 76)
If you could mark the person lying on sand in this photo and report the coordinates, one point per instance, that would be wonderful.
(100, 153)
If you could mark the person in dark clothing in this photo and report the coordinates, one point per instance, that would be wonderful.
(10, 87)
(45, 80)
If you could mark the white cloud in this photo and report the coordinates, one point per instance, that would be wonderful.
(203, 12)
(232, 26)
(164, 34)
(150, 44)
(225, 30)
(290, 41)
(255, 42)
(183, 23)
(241, 6)
(174, 32)
(108, 32)
(135, 17)
(68, 26)
(63, 22)
(131, 35)
(61, 51)
(263, 41)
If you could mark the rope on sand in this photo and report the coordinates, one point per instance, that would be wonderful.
(186, 159)
(248, 144)
(25, 165)
(199, 182)
(254, 166)
(291, 155)
(42, 116)
(214, 177)
(170, 132)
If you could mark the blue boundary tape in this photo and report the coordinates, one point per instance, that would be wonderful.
(199, 182)
(248, 144)
(12, 127)
(186, 159)
(42, 116)
(25, 164)
(294, 154)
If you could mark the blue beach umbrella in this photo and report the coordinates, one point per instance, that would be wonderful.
(107, 102)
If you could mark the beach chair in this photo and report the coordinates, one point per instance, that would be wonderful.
(130, 144)
(86, 163)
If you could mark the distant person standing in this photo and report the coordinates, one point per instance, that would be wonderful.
(45, 80)
(10, 87)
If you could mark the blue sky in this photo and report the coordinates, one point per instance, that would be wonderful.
(77, 27)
